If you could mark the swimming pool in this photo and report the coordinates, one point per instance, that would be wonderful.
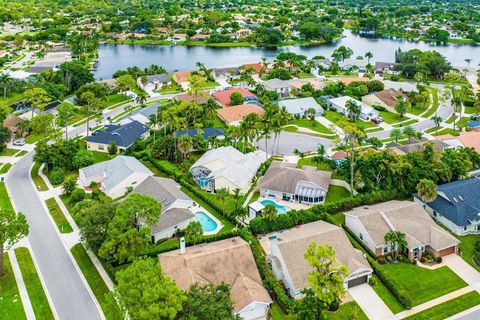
(279, 207)
(208, 225)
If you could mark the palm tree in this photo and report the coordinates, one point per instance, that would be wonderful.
(5, 82)
(396, 134)
(427, 190)
(410, 132)
(397, 240)
(265, 129)
(369, 56)
(353, 110)
(222, 195)
(141, 97)
(184, 145)
(269, 213)
(437, 120)
(353, 139)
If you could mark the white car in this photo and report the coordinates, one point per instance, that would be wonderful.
(19, 142)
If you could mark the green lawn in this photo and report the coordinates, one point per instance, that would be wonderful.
(21, 153)
(11, 306)
(312, 125)
(37, 296)
(58, 216)
(93, 278)
(37, 180)
(211, 84)
(406, 123)
(387, 297)
(469, 109)
(448, 308)
(446, 131)
(12, 98)
(341, 120)
(116, 98)
(467, 244)
(463, 122)
(4, 169)
(336, 193)
(435, 104)
(349, 310)
(391, 117)
(8, 152)
(276, 313)
(4, 199)
(423, 284)
(32, 138)
(320, 166)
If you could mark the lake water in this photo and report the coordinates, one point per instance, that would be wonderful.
(113, 57)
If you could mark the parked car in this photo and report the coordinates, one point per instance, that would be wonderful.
(19, 142)
(377, 120)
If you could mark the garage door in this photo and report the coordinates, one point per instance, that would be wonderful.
(447, 251)
(358, 281)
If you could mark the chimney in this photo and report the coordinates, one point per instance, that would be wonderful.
(182, 245)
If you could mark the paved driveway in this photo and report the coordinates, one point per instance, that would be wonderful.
(462, 269)
(290, 141)
(370, 302)
(70, 296)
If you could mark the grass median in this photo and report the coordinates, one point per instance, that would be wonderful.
(58, 216)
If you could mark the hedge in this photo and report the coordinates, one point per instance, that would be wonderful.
(319, 212)
(270, 283)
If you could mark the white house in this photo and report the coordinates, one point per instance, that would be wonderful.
(340, 105)
(229, 261)
(176, 205)
(281, 87)
(289, 265)
(226, 167)
(115, 176)
(371, 224)
(301, 106)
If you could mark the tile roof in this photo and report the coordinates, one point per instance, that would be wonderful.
(230, 261)
(124, 135)
(255, 66)
(458, 201)
(237, 113)
(223, 97)
(349, 80)
(284, 177)
(389, 96)
(293, 244)
(201, 99)
(407, 217)
(469, 139)
(181, 76)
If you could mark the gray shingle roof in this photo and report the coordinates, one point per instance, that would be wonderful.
(273, 84)
(458, 201)
(161, 78)
(300, 106)
(124, 135)
(171, 218)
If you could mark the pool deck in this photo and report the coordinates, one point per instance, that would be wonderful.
(290, 204)
(198, 208)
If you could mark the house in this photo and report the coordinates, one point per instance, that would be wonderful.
(235, 114)
(457, 206)
(354, 64)
(469, 139)
(11, 123)
(404, 87)
(287, 182)
(340, 105)
(229, 261)
(186, 97)
(115, 176)
(301, 106)
(179, 37)
(226, 167)
(382, 68)
(281, 87)
(415, 144)
(323, 63)
(348, 80)
(256, 68)
(299, 83)
(206, 132)
(124, 136)
(289, 265)
(156, 80)
(175, 214)
(226, 74)
(223, 97)
(181, 77)
(370, 224)
(339, 156)
(386, 98)
(199, 37)
(143, 115)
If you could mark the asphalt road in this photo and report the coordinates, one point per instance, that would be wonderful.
(69, 294)
(474, 315)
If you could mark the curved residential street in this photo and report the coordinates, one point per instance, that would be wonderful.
(66, 287)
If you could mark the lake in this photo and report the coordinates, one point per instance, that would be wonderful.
(113, 57)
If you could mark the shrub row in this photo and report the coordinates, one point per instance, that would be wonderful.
(319, 212)
(402, 296)
(271, 283)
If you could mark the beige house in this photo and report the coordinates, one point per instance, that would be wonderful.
(371, 224)
(386, 98)
(230, 261)
(289, 265)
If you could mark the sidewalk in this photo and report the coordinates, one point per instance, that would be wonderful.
(27, 305)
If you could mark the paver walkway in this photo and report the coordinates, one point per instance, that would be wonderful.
(370, 302)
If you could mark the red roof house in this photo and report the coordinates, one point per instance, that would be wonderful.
(223, 97)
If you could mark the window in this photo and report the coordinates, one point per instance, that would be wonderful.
(360, 236)
(386, 249)
(465, 228)
(101, 147)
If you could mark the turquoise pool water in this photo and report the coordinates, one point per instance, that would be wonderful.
(208, 225)
(279, 207)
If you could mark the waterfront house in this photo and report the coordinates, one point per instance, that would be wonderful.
(382, 68)
(115, 176)
(370, 224)
(287, 249)
(226, 74)
(281, 87)
(155, 81)
(457, 206)
(226, 167)
(235, 114)
(340, 105)
(228, 261)
(284, 181)
(176, 205)
(124, 136)
(300, 107)
(181, 77)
